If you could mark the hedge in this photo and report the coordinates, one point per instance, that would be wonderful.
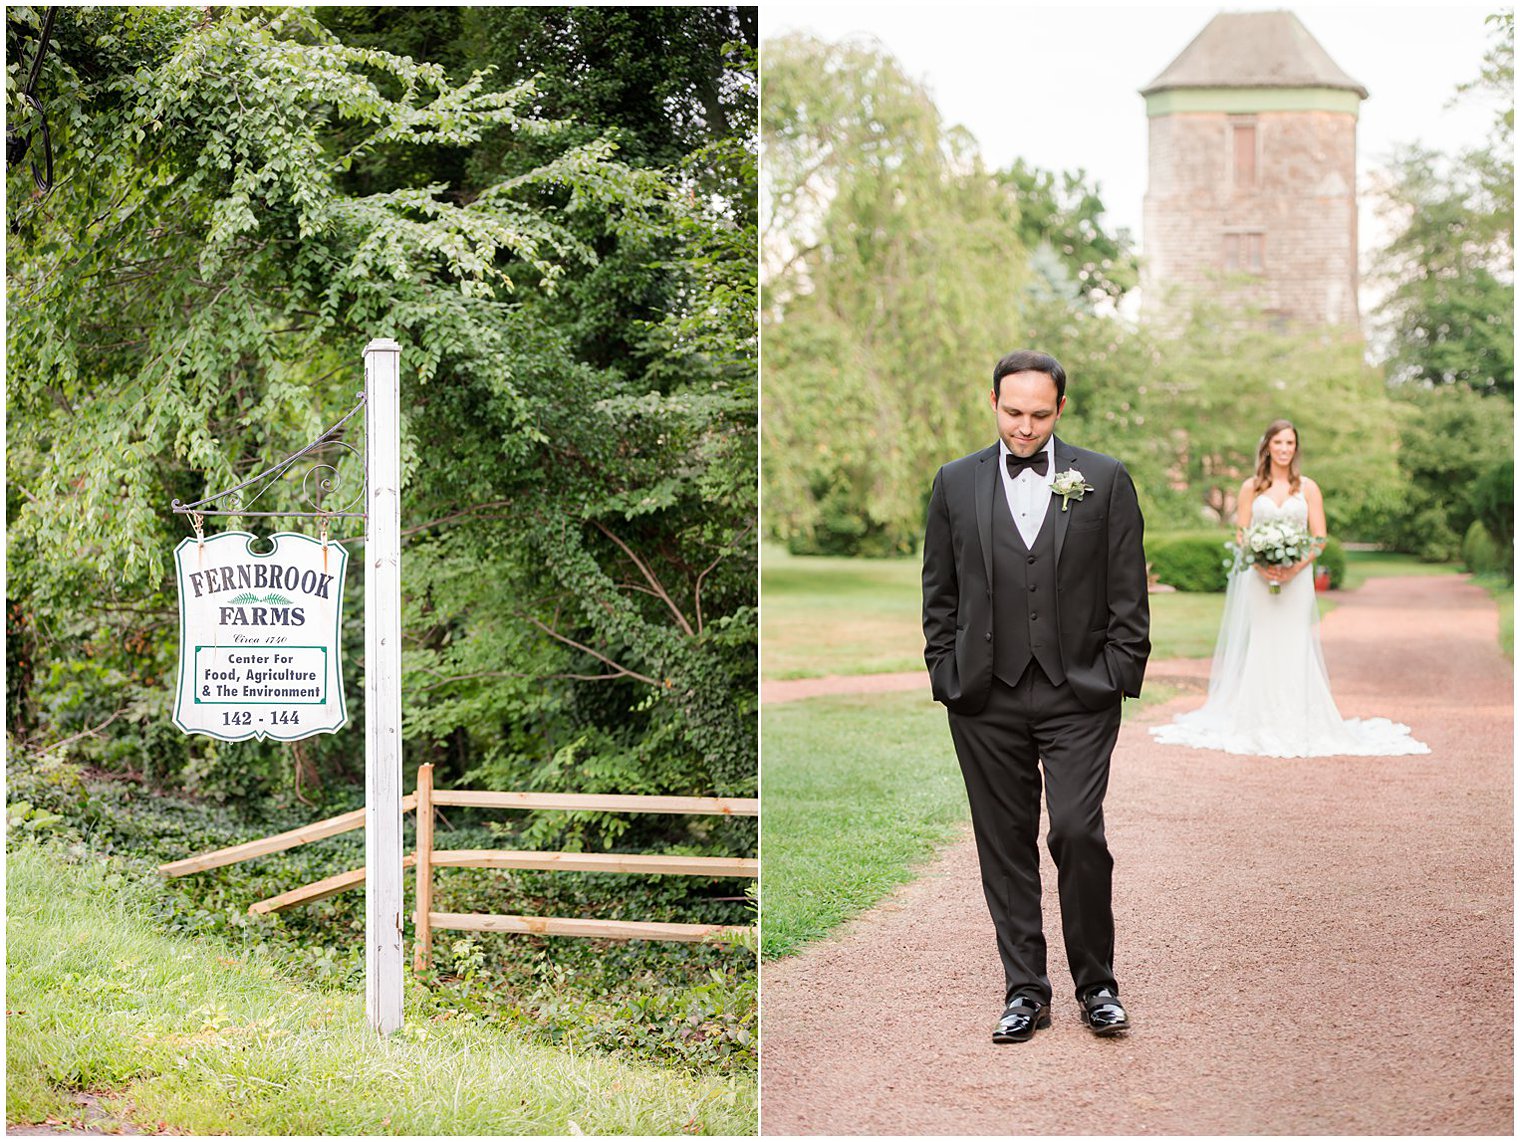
(1199, 561)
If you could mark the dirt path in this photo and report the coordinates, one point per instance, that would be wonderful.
(1306, 947)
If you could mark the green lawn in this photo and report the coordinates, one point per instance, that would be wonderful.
(1503, 593)
(822, 616)
(857, 791)
(1364, 565)
(215, 1041)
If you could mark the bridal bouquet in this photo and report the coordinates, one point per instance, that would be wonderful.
(1276, 543)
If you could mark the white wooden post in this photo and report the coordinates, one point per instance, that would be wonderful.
(383, 961)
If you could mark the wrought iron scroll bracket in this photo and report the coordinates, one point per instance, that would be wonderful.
(318, 483)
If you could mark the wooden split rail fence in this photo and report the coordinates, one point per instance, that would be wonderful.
(426, 800)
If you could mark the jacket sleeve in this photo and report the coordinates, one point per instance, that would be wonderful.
(941, 590)
(1129, 614)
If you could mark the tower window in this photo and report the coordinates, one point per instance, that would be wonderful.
(1243, 138)
(1245, 252)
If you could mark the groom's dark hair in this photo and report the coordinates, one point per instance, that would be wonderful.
(1030, 361)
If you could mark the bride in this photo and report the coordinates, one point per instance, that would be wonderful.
(1269, 694)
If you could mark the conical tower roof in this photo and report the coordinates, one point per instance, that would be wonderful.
(1254, 49)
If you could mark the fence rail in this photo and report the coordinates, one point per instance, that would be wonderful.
(342, 823)
(426, 859)
(425, 921)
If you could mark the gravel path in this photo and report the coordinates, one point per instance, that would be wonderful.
(1306, 947)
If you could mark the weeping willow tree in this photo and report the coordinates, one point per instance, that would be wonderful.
(894, 275)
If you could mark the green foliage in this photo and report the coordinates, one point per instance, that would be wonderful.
(879, 331)
(901, 270)
(1493, 502)
(1062, 215)
(1450, 440)
(897, 265)
(1450, 311)
(1450, 269)
(1191, 562)
(249, 196)
(1482, 555)
(1333, 560)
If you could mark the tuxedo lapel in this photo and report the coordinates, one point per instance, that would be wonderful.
(987, 486)
(1066, 459)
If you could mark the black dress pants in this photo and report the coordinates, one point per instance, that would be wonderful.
(1000, 750)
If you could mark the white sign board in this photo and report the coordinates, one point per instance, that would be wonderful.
(259, 653)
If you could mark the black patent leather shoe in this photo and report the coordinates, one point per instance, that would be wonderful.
(1102, 1011)
(1025, 1015)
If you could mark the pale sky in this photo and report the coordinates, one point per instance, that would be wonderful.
(1059, 86)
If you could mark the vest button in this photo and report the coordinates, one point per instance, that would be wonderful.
(1034, 618)
(988, 637)
(1032, 587)
(1031, 559)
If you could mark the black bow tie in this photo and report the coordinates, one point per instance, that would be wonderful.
(1039, 462)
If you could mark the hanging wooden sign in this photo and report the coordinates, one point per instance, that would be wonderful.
(259, 653)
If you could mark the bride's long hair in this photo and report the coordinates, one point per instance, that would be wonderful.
(1264, 457)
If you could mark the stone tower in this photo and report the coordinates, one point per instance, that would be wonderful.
(1252, 181)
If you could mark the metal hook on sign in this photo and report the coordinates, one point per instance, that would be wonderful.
(196, 521)
(322, 527)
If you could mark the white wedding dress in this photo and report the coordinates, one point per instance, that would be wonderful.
(1269, 695)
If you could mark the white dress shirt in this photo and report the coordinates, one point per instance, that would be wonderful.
(1029, 494)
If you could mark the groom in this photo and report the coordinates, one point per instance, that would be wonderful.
(1036, 624)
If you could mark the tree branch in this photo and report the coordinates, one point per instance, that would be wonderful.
(85, 733)
(697, 588)
(456, 515)
(623, 671)
(445, 679)
(649, 577)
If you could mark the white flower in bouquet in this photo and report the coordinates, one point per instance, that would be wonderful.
(1274, 543)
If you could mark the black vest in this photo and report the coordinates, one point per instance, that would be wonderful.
(1023, 598)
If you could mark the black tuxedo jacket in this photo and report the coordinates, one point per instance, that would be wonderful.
(1102, 611)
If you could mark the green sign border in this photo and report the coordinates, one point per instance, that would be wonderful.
(340, 577)
(199, 701)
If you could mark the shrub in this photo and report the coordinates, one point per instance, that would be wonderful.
(1191, 562)
(1333, 559)
(1481, 553)
(1198, 561)
(1493, 500)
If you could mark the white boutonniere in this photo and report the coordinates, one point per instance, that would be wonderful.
(1069, 485)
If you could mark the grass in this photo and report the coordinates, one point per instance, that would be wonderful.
(859, 792)
(211, 1040)
(1364, 565)
(823, 616)
(1503, 593)
(688, 1006)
